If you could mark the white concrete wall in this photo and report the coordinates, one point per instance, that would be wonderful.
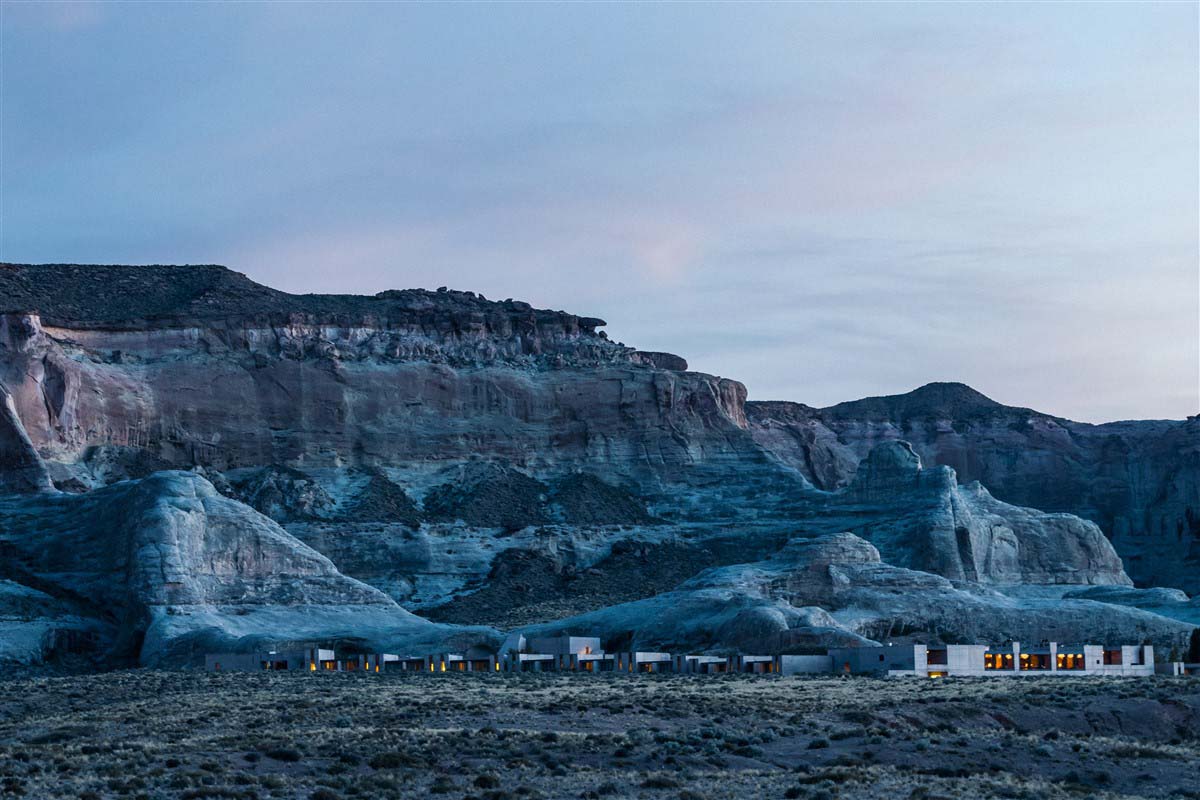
(963, 659)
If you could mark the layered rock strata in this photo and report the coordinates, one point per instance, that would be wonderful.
(210, 463)
(1138, 480)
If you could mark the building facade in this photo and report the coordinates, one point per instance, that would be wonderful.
(584, 654)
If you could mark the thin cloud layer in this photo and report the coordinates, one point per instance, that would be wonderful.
(823, 201)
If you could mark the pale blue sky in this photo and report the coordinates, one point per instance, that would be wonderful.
(822, 201)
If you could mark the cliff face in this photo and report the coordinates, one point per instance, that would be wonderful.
(1139, 481)
(923, 519)
(341, 415)
(423, 378)
(212, 462)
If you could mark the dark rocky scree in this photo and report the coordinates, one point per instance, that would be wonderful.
(383, 500)
(288, 495)
(584, 499)
(526, 587)
(491, 462)
(489, 495)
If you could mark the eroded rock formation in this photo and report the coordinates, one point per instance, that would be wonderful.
(168, 559)
(1138, 480)
(836, 588)
(207, 461)
(922, 518)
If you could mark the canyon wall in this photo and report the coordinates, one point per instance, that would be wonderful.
(1138, 480)
(207, 461)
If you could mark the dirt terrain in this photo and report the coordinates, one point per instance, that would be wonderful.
(148, 734)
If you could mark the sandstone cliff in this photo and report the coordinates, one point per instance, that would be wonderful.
(348, 457)
(1139, 481)
(921, 518)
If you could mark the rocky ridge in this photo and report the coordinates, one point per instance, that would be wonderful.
(1139, 481)
(480, 461)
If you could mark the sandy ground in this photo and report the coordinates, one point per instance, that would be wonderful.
(146, 734)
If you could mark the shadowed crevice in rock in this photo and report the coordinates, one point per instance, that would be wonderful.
(283, 494)
(111, 463)
(21, 468)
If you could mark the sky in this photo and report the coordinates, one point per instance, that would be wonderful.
(823, 201)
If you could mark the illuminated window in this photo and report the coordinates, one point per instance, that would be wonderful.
(1035, 661)
(998, 661)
